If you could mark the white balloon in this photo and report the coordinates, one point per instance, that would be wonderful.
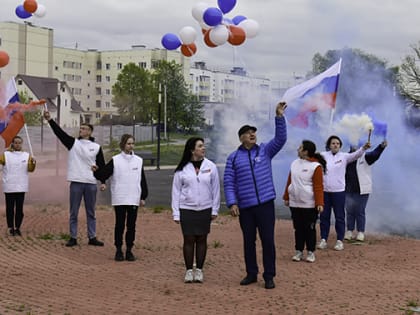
(187, 35)
(204, 26)
(40, 11)
(219, 35)
(198, 11)
(250, 27)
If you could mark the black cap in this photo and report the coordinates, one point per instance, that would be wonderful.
(246, 128)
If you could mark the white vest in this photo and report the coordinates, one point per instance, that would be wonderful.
(364, 173)
(82, 156)
(15, 172)
(301, 188)
(126, 180)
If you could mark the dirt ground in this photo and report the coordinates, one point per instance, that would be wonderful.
(39, 275)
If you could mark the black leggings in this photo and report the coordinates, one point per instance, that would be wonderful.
(125, 216)
(14, 220)
(199, 243)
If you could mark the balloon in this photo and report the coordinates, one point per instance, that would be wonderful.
(204, 26)
(238, 19)
(187, 35)
(236, 35)
(188, 50)
(170, 41)
(207, 40)
(20, 12)
(198, 11)
(4, 58)
(40, 12)
(226, 5)
(212, 16)
(30, 6)
(250, 27)
(219, 35)
(227, 21)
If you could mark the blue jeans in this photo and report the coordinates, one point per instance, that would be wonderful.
(88, 193)
(261, 217)
(355, 211)
(336, 201)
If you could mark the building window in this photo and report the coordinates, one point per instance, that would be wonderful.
(56, 68)
(143, 65)
(98, 78)
(119, 65)
(98, 104)
(98, 65)
(108, 66)
(98, 91)
(88, 71)
(108, 92)
(108, 78)
(98, 115)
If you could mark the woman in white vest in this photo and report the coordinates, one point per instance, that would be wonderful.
(195, 202)
(16, 165)
(128, 192)
(358, 188)
(304, 194)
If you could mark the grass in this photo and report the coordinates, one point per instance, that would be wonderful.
(50, 236)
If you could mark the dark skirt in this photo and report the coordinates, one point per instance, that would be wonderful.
(195, 222)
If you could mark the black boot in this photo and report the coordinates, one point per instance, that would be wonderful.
(129, 255)
(119, 255)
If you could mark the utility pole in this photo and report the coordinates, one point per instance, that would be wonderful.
(158, 128)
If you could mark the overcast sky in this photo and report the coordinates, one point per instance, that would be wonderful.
(290, 31)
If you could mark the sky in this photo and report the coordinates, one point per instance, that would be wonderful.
(290, 31)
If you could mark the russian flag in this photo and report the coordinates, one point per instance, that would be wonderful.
(11, 119)
(318, 93)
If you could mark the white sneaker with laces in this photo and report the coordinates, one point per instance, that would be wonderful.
(348, 236)
(189, 276)
(339, 245)
(198, 275)
(310, 257)
(298, 256)
(360, 236)
(322, 244)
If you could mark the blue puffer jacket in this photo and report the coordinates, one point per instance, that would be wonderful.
(248, 179)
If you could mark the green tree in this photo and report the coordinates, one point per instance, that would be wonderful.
(183, 111)
(409, 76)
(33, 117)
(134, 94)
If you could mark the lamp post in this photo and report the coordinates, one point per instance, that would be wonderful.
(158, 128)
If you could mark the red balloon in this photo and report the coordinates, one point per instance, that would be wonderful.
(236, 35)
(4, 58)
(207, 40)
(30, 6)
(188, 50)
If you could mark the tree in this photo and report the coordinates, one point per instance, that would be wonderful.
(409, 77)
(134, 94)
(182, 110)
(33, 117)
(363, 78)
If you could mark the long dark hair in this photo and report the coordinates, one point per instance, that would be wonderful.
(186, 156)
(309, 146)
(331, 138)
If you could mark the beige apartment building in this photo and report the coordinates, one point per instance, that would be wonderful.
(89, 74)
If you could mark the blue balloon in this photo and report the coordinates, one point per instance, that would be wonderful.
(213, 16)
(171, 41)
(226, 5)
(20, 12)
(238, 19)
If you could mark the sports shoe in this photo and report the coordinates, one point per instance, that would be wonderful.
(95, 242)
(348, 236)
(322, 244)
(360, 236)
(71, 242)
(189, 276)
(198, 275)
(310, 257)
(298, 256)
(339, 245)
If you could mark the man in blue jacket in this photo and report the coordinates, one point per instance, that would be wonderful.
(250, 194)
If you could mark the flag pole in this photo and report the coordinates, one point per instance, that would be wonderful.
(29, 140)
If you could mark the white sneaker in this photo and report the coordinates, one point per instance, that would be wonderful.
(322, 244)
(298, 256)
(348, 236)
(189, 276)
(339, 245)
(198, 275)
(360, 236)
(310, 257)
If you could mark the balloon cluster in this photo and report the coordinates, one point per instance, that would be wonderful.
(216, 28)
(29, 8)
